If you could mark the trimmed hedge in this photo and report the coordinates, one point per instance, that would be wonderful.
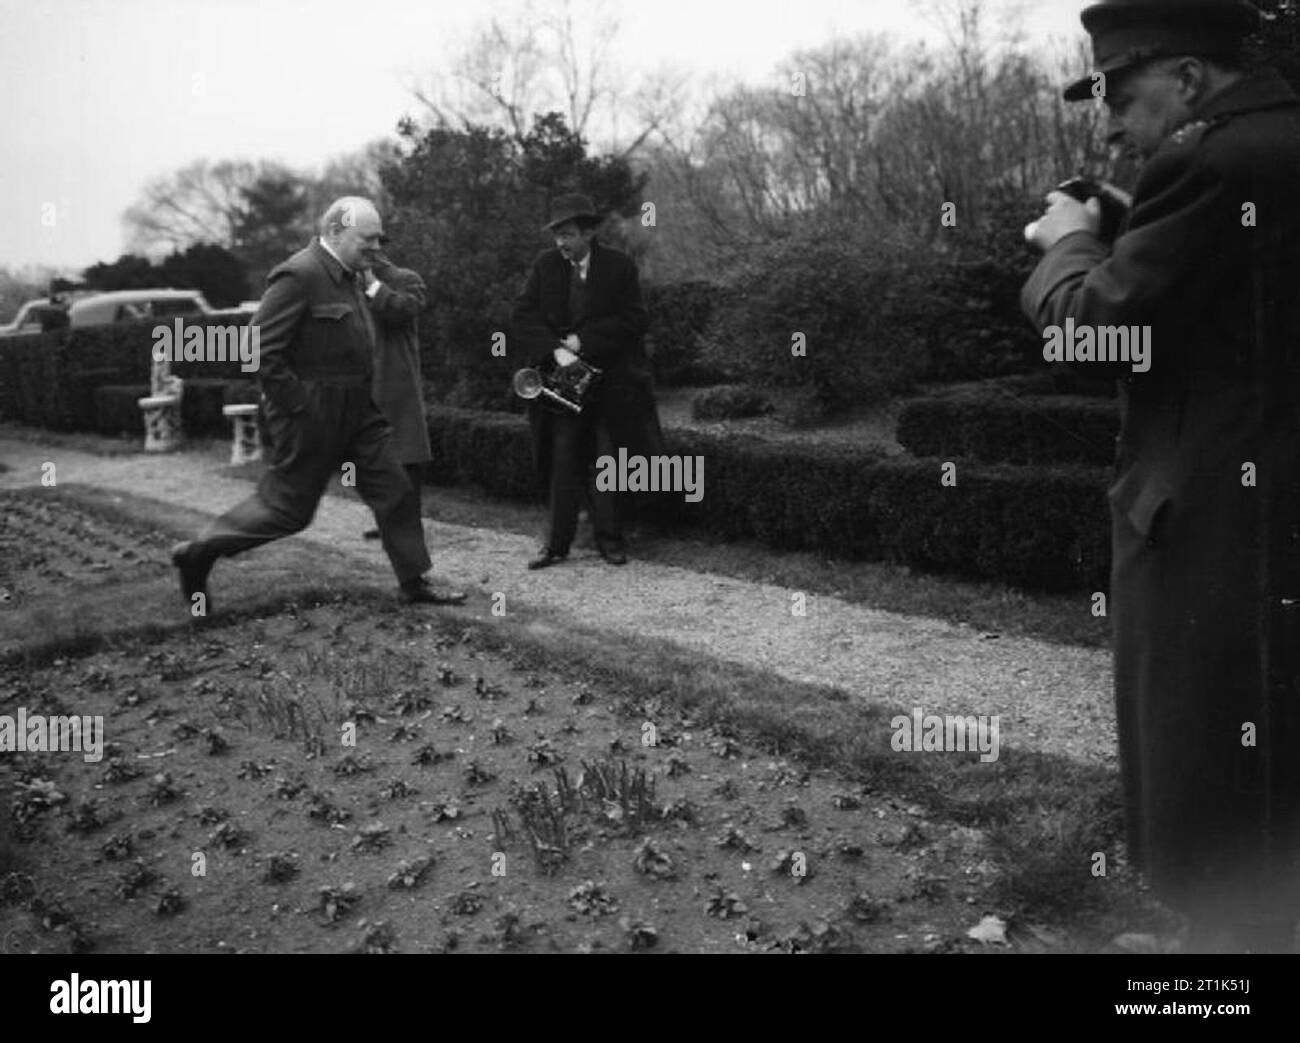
(202, 402)
(32, 385)
(991, 425)
(493, 450)
(1034, 527)
(49, 379)
(117, 409)
(1042, 528)
(729, 402)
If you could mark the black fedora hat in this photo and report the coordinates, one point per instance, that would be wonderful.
(1128, 32)
(572, 207)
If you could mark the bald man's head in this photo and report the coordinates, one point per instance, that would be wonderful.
(353, 230)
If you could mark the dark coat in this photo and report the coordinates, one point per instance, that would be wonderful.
(313, 324)
(612, 333)
(1205, 583)
(318, 412)
(399, 389)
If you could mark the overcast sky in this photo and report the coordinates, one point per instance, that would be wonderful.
(99, 96)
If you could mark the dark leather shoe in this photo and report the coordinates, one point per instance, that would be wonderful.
(194, 569)
(546, 559)
(421, 591)
(370, 534)
(611, 552)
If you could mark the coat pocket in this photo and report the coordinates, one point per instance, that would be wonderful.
(333, 335)
(331, 311)
(282, 432)
(1141, 500)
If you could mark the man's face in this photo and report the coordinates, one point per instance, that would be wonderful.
(573, 241)
(1147, 103)
(358, 242)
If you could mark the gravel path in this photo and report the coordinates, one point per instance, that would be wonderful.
(1052, 698)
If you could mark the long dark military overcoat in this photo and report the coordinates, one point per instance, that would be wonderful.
(1205, 589)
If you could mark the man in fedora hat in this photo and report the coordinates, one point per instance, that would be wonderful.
(1205, 506)
(582, 300)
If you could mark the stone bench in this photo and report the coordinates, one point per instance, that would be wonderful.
(247, 445)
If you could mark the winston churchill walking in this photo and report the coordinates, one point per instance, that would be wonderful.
(317, 339)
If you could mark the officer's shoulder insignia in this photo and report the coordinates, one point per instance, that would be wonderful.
(1189, 133)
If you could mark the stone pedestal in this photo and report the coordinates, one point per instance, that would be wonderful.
(247, 445)
(162, 423)
(162, 410)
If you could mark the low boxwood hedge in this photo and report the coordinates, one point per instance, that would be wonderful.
(117, 409)
(1039, 527)
(997, 426)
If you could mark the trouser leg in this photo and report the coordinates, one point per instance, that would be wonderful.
(303, 449)
(568, 476)
(415, 475)
(387, 490)
(606, 507)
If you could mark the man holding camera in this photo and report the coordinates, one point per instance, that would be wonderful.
(1205, 580)
(582, 301)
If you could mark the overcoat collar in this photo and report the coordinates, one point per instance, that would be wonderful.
(332, 265)
(1259, 90)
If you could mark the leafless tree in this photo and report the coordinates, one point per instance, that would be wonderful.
(353, 173)
(551, 56)
(865, 132)
(201, 202)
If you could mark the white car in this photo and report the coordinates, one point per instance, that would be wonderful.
(30, 318)
(131, 305)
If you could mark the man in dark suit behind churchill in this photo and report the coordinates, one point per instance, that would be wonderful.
(316, 367)
(397, 296)
(582, 300)
(1205, 507)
